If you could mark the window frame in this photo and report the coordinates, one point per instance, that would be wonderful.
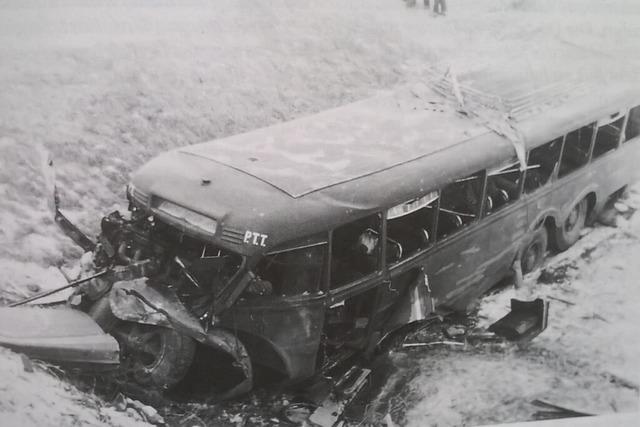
(479, 208)
(618, 115)
(323, 280)
(626, 123)
(433, 242)
(594, 131)
(520, 190)
(366, 282)
(554, 173)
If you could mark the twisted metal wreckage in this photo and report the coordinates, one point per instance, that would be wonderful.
(172, 287)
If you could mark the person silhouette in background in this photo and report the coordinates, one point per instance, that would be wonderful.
(439, 7)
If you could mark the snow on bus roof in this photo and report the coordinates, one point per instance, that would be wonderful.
(309, 154)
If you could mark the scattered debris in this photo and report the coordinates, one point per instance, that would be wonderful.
(558, 274)
(427, 344)
(137, 409)
(191, 420)
(347, 388)
(524, 322)
(621, 207)
(595, 316)
(388, 421)
(624, 382)
(120, 402)
(27, 364)
(554, 411)
(298, 413)
(561, 300)
(455, 330)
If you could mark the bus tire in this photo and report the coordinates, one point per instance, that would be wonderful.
(159, 358)
(534, 251)
(569, 230)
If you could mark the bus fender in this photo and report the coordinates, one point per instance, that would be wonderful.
(136, 301)
(230, 344)
(587, 193)
(541, 219)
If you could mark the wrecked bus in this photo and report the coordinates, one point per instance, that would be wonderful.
(287, 246)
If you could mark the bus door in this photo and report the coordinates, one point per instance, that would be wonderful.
(504, 222)
(410, 230)
(355, 279)
(450, 266)
(473, 254)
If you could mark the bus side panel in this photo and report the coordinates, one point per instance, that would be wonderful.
(617, 169)
(602, 177)
(280, 333)
(468, 265)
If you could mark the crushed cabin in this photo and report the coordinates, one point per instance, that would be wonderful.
(286, 246)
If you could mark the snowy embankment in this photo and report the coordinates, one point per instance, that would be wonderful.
(107, 86)
(587, 358)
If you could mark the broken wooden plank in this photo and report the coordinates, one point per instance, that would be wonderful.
(427, 344)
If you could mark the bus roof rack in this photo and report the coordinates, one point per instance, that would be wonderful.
(513, 99)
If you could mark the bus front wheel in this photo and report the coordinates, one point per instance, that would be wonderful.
(569, 230)
(157, 357)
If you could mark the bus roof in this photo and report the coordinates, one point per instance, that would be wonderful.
(302, 177)
(339, 145)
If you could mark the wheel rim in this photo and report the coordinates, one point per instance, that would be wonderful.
(146, 346)
(530, 258)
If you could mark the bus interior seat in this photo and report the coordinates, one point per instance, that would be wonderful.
(489, 204)
(394, 250)
(407, 233)
(449, 223)
(425, 237)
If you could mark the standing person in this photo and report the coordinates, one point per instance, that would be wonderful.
(439, 7)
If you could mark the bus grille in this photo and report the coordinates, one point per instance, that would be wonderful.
(230, 235)
(140, 197)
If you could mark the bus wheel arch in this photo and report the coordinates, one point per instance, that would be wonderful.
(591, 207)
(265, 354)
(550, 223)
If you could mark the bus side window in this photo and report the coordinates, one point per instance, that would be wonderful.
(575, 153)
(541, 164)
(459, 204)
(355, 250)
(294, 272)
(608, 135)
(633, 124)
(503, 186)
(410, 227)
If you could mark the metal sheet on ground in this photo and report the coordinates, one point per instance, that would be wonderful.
(57, 335)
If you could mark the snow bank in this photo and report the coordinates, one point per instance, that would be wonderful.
(39, 398)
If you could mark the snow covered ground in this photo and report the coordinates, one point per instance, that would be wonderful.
(104, 86)
(586, 360)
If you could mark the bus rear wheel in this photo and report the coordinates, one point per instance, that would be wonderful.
(534, 251)
(568, 232)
